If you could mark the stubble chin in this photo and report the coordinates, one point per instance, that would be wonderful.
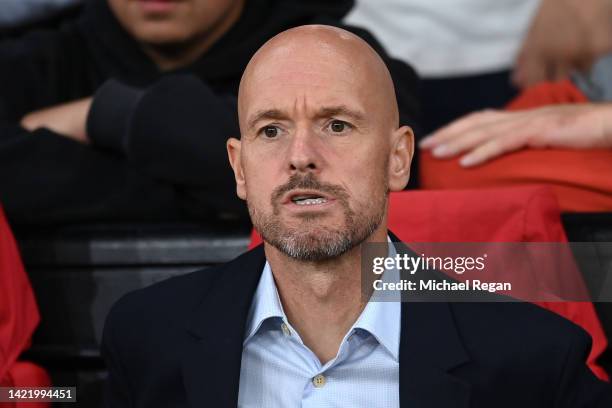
(315, 240)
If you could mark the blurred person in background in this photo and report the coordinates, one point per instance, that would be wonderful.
(557, 131)
(478, 54)
(123, 114)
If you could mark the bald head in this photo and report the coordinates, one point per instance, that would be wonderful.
(309, 56)
(320, 145)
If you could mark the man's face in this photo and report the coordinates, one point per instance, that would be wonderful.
(171, 22)
(314, 153)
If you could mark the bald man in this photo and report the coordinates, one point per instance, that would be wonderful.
(286, 325)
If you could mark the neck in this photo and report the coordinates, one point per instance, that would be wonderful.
(322, 300)
(168, 57)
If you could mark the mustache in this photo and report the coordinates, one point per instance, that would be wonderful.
(308, 182)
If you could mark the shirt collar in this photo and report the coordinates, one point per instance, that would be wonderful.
(266, 303)
(381, 319)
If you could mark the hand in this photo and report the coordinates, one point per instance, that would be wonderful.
(67, 119)
(482, 136)
(565, 36)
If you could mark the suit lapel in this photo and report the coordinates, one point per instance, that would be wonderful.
(211, 360)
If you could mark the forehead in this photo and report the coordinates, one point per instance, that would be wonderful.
(287, 78)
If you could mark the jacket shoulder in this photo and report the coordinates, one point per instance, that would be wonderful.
(171, 300)
(503, 329)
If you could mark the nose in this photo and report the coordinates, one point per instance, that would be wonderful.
(304, 153)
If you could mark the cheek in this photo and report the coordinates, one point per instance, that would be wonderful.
(117, 6)
(126, 14)
(201, 16)
(263, 161)
(370, 190)
(258, 178)
(366, 168)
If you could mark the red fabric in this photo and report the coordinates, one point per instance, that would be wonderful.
(580, 179)
(547, 93)
(516, 214)
(26, 374)
(18, 318)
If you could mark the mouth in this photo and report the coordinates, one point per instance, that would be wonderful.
(157, 6)
(307, 198)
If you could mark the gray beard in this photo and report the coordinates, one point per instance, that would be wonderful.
(322, 243)
(317, 246)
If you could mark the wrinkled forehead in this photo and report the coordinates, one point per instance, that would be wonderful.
(285, 72)
(311, 73)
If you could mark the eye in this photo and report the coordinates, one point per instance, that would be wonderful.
(269, 132)
(339, 126)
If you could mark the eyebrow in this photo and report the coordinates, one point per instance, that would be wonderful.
(266, 114)
(340, 110)
(324, 112)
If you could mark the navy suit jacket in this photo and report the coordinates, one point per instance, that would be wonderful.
(178, 343)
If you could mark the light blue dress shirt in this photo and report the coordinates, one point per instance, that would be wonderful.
(278, 370)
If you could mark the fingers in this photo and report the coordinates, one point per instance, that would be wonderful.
(482, 136)
(467, 133)
(463, 143)
(459, 127)
(486, 135)
(489, 150)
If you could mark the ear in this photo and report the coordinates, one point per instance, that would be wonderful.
(402, 150)
(233, 152)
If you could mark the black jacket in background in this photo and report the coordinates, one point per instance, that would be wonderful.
(158, 139)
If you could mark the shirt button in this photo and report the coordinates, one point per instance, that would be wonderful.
(319, 381)
(285, 329)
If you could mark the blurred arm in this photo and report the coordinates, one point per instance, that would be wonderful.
(482, 136)
(565, 35)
